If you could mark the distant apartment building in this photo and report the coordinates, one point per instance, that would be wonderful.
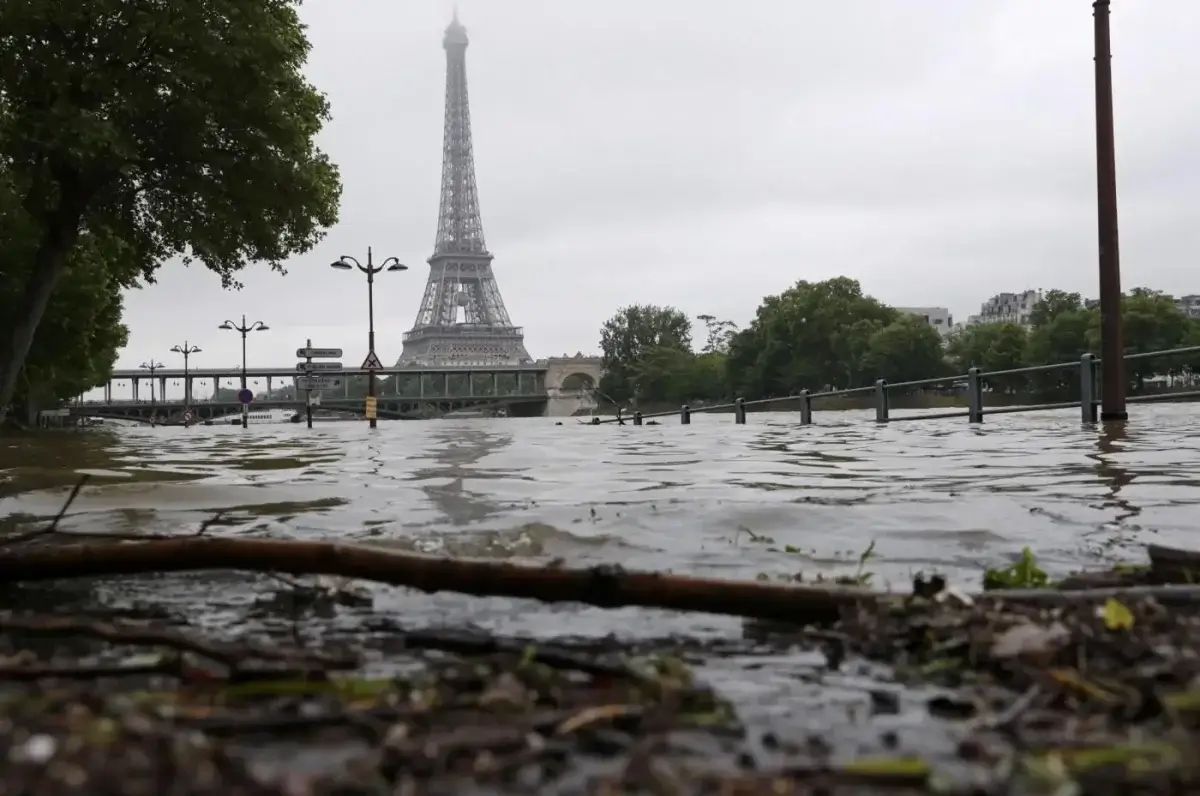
(1189, 305)
(1007, 308)
(937, 317)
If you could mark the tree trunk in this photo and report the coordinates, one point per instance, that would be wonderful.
(49, 264)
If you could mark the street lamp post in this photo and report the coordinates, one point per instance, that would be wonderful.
(151, 366)
(245, 329)
(347, 263)
(187, 351)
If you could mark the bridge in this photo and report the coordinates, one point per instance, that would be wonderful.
(555, 386)
(172, 412)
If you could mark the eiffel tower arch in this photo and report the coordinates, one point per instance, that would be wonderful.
(462, 320)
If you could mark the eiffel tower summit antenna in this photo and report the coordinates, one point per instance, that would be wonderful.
(462, 320)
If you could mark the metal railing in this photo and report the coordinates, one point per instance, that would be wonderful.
(974, 380)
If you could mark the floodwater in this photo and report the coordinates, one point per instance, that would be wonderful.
(712, 498)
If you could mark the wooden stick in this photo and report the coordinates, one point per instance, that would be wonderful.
(603, 586)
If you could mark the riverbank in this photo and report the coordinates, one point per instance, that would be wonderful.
(978, 695)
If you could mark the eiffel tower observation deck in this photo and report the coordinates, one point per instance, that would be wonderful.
(462, 320)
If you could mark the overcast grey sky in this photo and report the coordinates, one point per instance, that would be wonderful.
(704, 153)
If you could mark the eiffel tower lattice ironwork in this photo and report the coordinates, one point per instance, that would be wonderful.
(462, 319)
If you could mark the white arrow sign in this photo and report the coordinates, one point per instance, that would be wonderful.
(305, 366)
(318, 382)
(319, 353)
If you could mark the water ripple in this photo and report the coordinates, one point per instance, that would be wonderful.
(714, 497)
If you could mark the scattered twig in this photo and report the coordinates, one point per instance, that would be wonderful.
(169, 665)
(233, 656)
(53, 526)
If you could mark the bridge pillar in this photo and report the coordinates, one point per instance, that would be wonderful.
(162, 388)
(216, 386)
(269, 380)
(134, 383)
(108, 393)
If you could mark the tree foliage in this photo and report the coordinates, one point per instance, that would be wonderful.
(636, 342)
(817, 335)
(813, 335)
(81, 328)
(179, 129)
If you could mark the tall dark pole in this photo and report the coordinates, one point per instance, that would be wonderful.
(1112, 343)
(187, 351)
(245, 329)
(152, 366)
(370, 269)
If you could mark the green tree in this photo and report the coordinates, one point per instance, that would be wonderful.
(991, 347)
(908, 349)
(1152, 322)
(813, 335)
(82, 323)
(635, 341)
(1052, 304)
(182, 129)
(718, 334)
(1064, 338)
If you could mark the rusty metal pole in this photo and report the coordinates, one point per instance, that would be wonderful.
(1112, 343)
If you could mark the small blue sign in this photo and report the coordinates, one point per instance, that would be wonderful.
(245, 395)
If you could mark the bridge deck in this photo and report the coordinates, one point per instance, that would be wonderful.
(258, 373)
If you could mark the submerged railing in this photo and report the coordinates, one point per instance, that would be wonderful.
(974, 379)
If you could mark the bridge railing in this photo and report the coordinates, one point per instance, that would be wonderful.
(975, 382)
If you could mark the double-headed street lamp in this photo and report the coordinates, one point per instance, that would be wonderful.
(151, 366)
(244, 329)
(187, 351)
(347, 263)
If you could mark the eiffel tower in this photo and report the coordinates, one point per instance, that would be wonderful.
(462, 321)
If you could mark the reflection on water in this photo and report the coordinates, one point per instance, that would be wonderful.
(937, 495)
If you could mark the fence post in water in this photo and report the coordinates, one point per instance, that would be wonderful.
(685, 415)
(881, 401)
(1087, 388)
(739, 410)
(637, 418)
(805, 408)
(974, 396)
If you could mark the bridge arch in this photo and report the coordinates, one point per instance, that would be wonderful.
(573, 374)
(578, 382)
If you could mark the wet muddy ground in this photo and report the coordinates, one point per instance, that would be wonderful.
(975, 695)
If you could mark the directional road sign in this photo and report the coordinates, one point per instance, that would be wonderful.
(371, 362)
(319, 353)
(318, 382)
(245, 395)
(303, 366)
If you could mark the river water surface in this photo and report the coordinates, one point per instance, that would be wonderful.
(712, 498)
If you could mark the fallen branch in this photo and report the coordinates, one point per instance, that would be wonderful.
(603, 586)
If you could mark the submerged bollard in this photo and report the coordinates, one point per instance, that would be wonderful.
(805, 407)
(637, 418)
(881, 401)
(685, 415)
(1087, 388)
(974, 396)
(739, 410)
